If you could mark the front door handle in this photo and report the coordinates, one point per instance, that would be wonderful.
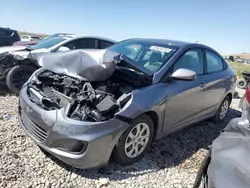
(202, 84)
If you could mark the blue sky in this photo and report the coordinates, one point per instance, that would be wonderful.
(221, 24)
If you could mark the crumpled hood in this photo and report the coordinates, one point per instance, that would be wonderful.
(24, 53)
(11, 48)
(87, 65)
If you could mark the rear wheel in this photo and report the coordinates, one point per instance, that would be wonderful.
(222, 110)
(17, 76)
(241, 83)
(135, 141)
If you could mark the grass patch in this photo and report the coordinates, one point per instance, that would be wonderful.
(239, 67)
(28, 33)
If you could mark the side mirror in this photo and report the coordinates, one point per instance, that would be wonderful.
(63, 48)
(184, 74)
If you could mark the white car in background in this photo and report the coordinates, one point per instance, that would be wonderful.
(30, 38)
(17, 63)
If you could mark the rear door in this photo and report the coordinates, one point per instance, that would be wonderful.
(217, 81)
(185, 101)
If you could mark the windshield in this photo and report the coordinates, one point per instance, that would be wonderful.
(147, 56)
(47, 43)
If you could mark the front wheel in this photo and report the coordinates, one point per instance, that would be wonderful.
(135, 141)
(17, 76)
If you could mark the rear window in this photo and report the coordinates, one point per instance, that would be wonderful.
(105, 44)
(2, 33)
(5, 32)
(214, 62)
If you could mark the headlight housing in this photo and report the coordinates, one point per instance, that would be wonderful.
(34, 75)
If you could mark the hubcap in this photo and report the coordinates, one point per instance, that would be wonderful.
(137, 140)
(224, 109)
(242, 83)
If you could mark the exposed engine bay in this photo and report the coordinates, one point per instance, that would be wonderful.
(83, 100)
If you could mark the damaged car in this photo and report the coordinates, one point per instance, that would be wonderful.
(17, 63)
(227, 161)
(88, 106)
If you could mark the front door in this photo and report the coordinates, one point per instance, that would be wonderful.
(185, 100)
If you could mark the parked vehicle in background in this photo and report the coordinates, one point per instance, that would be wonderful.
(85, 105)
(25, 43)
(243, 82)
(8, 36)
(231, 58)
(58, 34)
(240, 60)
(226, 165)
(17, 63)
(30, 38)
(30, 43)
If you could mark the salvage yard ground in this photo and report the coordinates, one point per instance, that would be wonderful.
(172, 161)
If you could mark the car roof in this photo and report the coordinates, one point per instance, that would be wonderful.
(88, 36)
(163, 41)
(7, 29)
(175, 43)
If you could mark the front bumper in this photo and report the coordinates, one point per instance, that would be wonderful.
(51, 130)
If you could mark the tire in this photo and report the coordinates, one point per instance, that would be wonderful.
(44, 151)
(242, 83)
(121, 153)
(220, 116)
(17, 76)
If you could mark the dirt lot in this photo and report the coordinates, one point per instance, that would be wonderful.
(172, 161)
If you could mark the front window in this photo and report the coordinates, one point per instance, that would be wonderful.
(48, 43)
(148, 56)
(192, 59)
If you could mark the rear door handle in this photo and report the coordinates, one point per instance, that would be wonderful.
(202, 84)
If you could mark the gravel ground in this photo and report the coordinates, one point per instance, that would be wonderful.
(172, 161)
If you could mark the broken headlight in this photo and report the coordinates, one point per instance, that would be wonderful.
(34, 75)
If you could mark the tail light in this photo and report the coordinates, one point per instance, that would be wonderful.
(248, 94)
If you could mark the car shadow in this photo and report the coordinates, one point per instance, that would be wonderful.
(171, 151)
(4, 90)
